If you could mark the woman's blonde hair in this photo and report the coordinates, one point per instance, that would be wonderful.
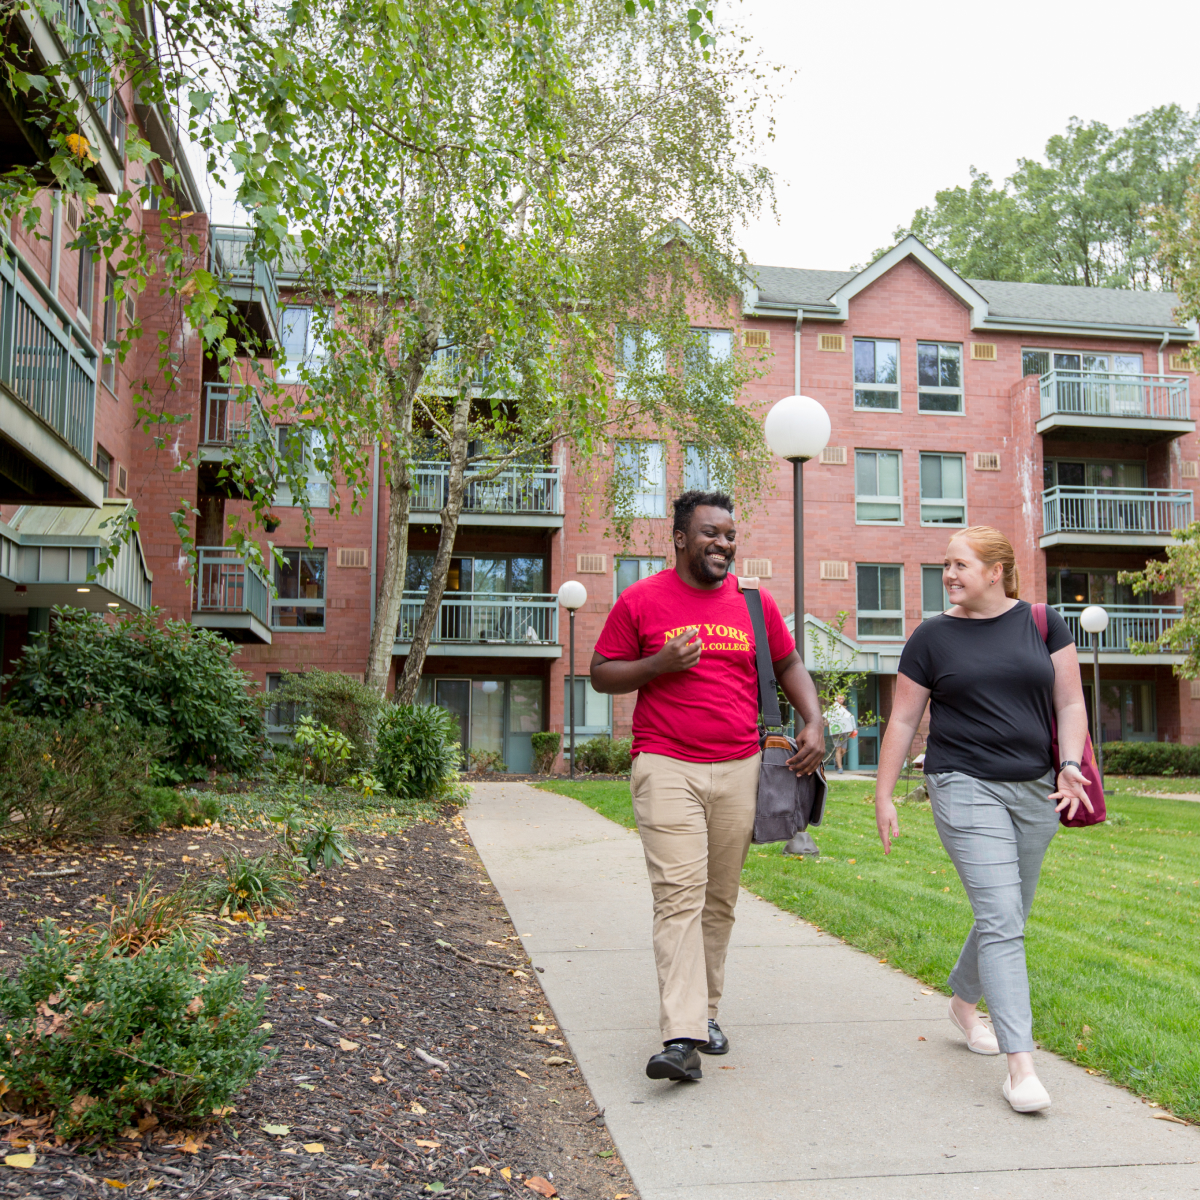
(993, 547)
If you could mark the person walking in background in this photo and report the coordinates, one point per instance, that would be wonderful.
(683, 641)
(994, 686)
(842, 727)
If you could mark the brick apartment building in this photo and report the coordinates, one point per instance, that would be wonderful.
(1062, 415)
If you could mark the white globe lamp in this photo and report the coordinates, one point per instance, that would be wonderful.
(797, 428)
(1094, 620)
(572, 595)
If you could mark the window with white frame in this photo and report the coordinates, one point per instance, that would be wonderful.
(628, 571)
(876, 373)
(1039, 362)
(877, 498)
(303, 450)
(638, 354)
(300, 582)
(642, 478)
(880, 600)
(943, 494)
(593, 709)
(933, 592)
(705, 469)
(299, 334)
(939, 377)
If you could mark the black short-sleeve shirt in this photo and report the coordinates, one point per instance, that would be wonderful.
(991, 686)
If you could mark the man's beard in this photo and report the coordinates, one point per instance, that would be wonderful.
(704, 569)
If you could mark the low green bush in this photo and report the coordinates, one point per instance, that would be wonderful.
(254, 884)
(171, 677)
(486, 760)
(326, 846)
(328, 750)
(102, 1039)
(545, 751)
(333, 699)
(603, 755)
(1151, 758)
(417, 751)
(166, 807)
(85, 777)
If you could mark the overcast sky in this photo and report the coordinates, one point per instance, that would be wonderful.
(891, 102)
(887, 103)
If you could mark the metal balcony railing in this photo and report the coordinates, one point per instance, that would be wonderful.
(1125, 625)
(527, 490)
(231, 259)
(1122, 397)
(46, 360)
(232, 414)
(1115, 510)
(227, 583)
(512, 618)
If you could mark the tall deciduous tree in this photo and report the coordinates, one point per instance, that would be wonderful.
(1077, 216)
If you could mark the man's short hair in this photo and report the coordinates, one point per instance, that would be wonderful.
(690, 501)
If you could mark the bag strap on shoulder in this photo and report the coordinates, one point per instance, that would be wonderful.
(768, 697)
(1039, 619)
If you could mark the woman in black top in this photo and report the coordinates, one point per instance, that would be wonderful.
(994, 685)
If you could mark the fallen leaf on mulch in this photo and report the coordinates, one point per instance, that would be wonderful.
(482, 1170)
(277, 1130)
(23, 1161)
(506, 1172)
(1165, 1116)
(345, 1045)
(417, 1108)
(522, 1074)
(426, 1143)
(314, 1147)
(117, 1184)
(556, 1060)
(543, 1187)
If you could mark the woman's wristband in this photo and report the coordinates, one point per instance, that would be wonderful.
(1069, 762)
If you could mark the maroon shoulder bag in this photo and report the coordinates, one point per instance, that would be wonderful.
(1089, 766)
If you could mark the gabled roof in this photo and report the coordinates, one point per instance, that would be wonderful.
(995, 305)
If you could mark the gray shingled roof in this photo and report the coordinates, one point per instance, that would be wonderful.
(1033, 301)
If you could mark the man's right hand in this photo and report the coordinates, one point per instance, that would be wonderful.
(680, 653)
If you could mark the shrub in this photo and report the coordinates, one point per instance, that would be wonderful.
(417, 751)
(175, 678)
(329, 749)
(176, 810)
(256, 885)
(85, 777)
(545, 751)
(604, 756)
(1151, 758)
(102, 1039)
(486, 760)
(333, 699)
(326, 846)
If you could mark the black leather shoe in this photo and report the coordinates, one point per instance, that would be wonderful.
(717, 1042)
(676, 1060)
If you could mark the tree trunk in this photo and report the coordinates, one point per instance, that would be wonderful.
(410, 679)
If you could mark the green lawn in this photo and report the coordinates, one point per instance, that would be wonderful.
(1113, 942)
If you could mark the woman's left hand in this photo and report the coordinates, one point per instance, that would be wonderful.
(1071, 782)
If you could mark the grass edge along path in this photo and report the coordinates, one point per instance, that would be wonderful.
(1113, 942)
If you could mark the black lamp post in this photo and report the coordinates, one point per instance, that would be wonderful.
(572, 596)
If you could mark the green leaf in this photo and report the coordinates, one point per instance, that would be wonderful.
(277, 1130)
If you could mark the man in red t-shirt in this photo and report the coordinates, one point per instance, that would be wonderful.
(683, 641)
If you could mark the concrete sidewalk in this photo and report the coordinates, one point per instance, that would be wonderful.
(828, 1090)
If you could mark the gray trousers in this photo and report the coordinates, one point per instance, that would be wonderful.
(996, 835)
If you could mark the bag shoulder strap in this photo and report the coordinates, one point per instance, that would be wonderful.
(1039, 619)
(768, 697)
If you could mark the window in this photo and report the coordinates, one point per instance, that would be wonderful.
(85, 286)
(880, 601)
(939, 377)
(704, 469)
(299, 332)
(630, 570)
(1039, 362)
(943, 500)
(637, 354)
(877, 487)
(1080, 586)
(300, 582)
(642, 478)
(593, 711)
(118, 118)
(877, 364)
(933, 592)
(108, 371)
(490, 574)
(1035, 362)
(104, 466)
(281, 718)
(1093, 473)
(304, 450)
(710, 346)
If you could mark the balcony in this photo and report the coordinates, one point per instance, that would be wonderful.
(46, 555)
(529, 497)
(1100, 405)
(231, 596)
(43, 45)
(231, 417)
(249, 283)
(1073, 516)
(1125, 625)
(47, 395)
(485, 625)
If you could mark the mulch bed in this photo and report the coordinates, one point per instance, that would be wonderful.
(447, 1086)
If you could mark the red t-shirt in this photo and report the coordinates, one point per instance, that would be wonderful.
(709, 713)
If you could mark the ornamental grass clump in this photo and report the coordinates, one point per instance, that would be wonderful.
(254, 884)
(101, 1039)
(152, 918)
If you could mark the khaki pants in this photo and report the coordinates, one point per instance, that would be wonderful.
(695, 820)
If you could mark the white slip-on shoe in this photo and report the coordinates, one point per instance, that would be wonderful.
(981, 1039)
(1028, 1096)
